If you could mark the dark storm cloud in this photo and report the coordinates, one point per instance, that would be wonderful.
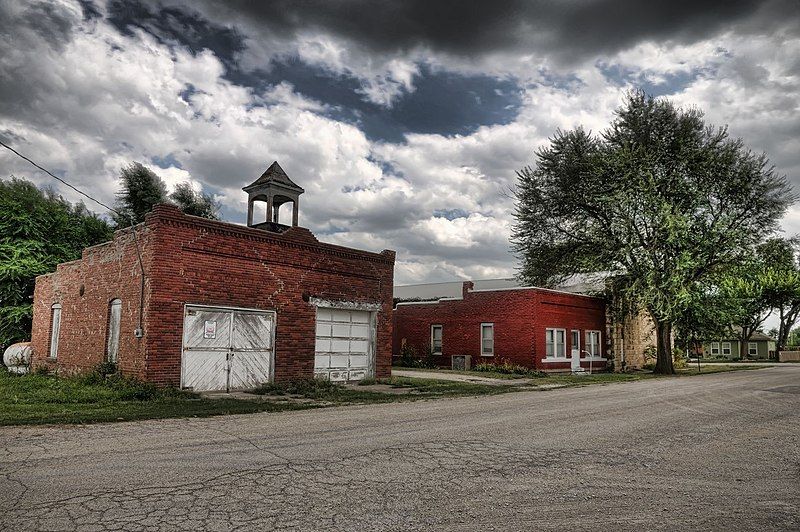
(442, 102)
(174, 25)
(568, 30)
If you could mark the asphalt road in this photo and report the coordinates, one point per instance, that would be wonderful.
(715, 452)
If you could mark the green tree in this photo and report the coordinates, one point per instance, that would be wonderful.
(746, 289)
(38, 230)
(659, 199)
(141, 190)
(782, 283)
(195, 203)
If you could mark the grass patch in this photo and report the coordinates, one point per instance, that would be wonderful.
(42, 399)
(537, 378)
(329, 392)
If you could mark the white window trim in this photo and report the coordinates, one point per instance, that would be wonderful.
(752, 346)
(55, 331)
(715, 348)
(433, 348)
(555, 357)
(483, 353)
(594, 357)
(729, 348)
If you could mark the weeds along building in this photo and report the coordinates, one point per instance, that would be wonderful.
(219, 306)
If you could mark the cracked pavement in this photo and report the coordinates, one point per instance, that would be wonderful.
(715, 452)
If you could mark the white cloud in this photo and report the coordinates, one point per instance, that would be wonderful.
(100, 100)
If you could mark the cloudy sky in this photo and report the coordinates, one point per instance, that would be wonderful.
(405, 121)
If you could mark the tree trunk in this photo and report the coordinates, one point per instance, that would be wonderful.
(664, 349)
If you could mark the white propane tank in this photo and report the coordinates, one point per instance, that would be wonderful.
(17, 357)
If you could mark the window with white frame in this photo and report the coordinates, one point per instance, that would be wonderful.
(555, 344)
(714, 348)
(593, 343)
(576, 342)
(726, 348)
(55, 329)
(487, 339)
(436, 339)
(112, 341)
(752, 349)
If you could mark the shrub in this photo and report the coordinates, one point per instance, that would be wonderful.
(304, 387)
(507, 368)
(409, 358)
(99, 374)
(678, 358)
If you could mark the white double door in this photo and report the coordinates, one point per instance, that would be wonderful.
(344, 344)
(227, 349)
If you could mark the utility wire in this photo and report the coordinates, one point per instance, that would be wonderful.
(123, 214)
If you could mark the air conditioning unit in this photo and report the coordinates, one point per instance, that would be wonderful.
(461, 362)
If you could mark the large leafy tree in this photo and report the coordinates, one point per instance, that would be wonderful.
(141, 190)
(195, 203)
(659, 199)
(781, 283)
(38, 230)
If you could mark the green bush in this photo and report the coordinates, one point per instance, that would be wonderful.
(304, 387)
(679, 358)
(410, 359)
(507, 368)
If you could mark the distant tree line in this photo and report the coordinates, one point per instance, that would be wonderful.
(39, 229)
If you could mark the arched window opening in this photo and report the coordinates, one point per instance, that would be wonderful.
(114, 316)
(55, 329)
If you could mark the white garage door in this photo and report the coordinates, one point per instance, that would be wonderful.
(344, 349)
(226, 349)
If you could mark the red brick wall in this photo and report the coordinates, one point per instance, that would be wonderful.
(105, 272)
(520, 318)
(196, 261)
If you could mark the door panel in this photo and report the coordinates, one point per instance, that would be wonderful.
(344, 345)
(207, 329)
(227, 349)
(252, 331)
(205, 370)
(249, 369)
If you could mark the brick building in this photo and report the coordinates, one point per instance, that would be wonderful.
(215, 306)
(548, 330)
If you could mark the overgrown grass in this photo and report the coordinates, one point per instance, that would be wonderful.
(538, 378)
(326, 391)
(37, 399)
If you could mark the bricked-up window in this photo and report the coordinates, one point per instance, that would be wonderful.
(436, 339)
(714, 348)
(593, 343)
(487, 339)
(726, 348)
(556, 346)
(55, 329)
(112, 343)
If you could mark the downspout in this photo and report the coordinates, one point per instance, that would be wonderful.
(139, 331)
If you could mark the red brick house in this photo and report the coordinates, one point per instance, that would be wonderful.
(538, 328)
(216, 306)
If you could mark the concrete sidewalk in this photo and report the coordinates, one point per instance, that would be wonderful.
(458, 377)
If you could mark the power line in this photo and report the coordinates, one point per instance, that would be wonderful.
(51, 174)
(138, 331)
